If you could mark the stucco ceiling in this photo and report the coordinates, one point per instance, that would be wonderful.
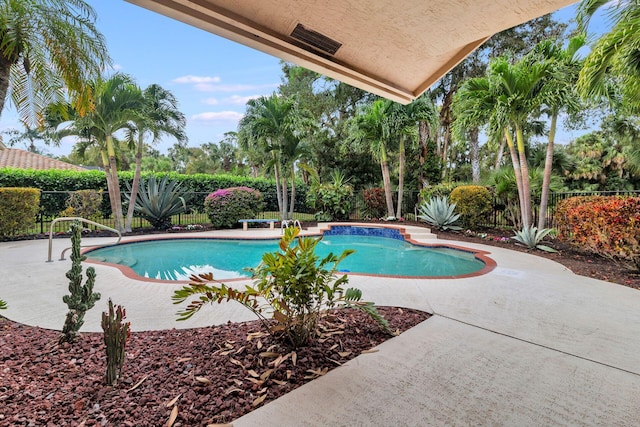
(396, 49)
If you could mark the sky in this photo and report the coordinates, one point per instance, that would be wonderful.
(211, 77)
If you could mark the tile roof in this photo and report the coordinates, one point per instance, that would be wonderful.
(21, 159)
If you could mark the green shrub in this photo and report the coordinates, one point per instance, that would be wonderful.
(294, 285)
(18, 209)
(443, 189)
(331, 202)
(83, 203)
(474, 204)
(226, 206)
(606, 226)
(375, 204)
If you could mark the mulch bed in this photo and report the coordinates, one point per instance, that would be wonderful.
(205, 376)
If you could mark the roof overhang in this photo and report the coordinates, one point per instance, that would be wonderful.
(394, 49)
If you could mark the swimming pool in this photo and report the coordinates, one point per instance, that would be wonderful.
(391, 255)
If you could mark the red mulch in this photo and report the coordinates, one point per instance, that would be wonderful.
(208, 375)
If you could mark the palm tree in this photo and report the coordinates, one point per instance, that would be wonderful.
(615, 53)
(405, 120)
(269, 125)
(559, 95)
(373, 128)
(46, 45)
(116, 103)
(159, 116)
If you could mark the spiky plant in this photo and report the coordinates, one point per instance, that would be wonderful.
(116, 335)
(531, 238)
(157, 201)
(81, 298)
(439, 213)
(3, 305)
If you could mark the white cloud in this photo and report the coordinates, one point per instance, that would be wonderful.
(208, 87)
(211, 101)
(240, 100)
(197, 80)
(217, 117)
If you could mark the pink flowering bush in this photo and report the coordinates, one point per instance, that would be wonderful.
(226, 206)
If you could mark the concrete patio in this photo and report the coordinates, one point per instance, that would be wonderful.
(528, 344)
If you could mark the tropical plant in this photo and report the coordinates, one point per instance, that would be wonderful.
(439, 213)
(293, 285)
(158, 116)
(45, 46)
(157, 201)
(116, 103)
(116, 334)
(3, 305)
(331, 201)
(225, 207)
(531, 238)
(81, 297)
(83, 203)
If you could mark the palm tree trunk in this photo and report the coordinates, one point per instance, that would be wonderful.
(285, 191)
(386, 180)
(401, 159)
(423, 135)
(115, 184)
(500, 152)
(276, 170)
(293, 192)
(526, 187)
(5, 71)
(445, 151)
(516, 169)
(135, 185)
(546, 179)
(474, 154)
(107, 171)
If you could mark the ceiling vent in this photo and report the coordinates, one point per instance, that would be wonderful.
(316, 40)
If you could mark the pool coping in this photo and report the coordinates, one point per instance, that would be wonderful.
(128, 272)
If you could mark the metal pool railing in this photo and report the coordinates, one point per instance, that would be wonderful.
(86, 221)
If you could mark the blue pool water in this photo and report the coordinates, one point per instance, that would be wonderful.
(177, 259)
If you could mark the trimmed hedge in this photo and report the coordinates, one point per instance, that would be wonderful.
(18, 209)
(474, 203)
(608, 226)
(67, 181)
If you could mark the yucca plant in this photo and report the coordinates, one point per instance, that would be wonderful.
(157, 201)
(439, 213)
(531, 238)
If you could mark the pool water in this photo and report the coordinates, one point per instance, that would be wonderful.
(177, 259)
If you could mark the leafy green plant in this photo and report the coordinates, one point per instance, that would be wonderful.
(531, 238)
(18, 209)
(116, 335)
(157, 201)
(293, 286)
(226, 206)
(3, 305)
(474, 203)
(83, 203)
(439, 213)
(81, 298)
(331, 201)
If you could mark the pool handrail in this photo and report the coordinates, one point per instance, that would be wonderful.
(87, 221)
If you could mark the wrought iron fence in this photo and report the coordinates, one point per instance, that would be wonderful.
(53, 202)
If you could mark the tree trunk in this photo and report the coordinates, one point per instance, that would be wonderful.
(401, 159)
(135, 185)
(386, 180)
(500, 152)
(445, 151)
(516, 169)
(292, 204)
(474, 154)
(276, 170)
(546, 179)
(285, 191)
(115, 184)
(526, 187)
(107, 171)
(5, 72)
(423, 138)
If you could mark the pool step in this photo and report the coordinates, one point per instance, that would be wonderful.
(423, 235)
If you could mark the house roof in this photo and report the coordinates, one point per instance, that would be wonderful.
(21, 159)
(394, 49)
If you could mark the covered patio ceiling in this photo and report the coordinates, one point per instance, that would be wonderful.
(396, 49)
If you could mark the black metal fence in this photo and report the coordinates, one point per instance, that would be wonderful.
(53, 202)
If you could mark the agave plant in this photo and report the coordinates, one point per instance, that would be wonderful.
(3, 305)
(531, 238)
(439, 213)
(157, 201)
